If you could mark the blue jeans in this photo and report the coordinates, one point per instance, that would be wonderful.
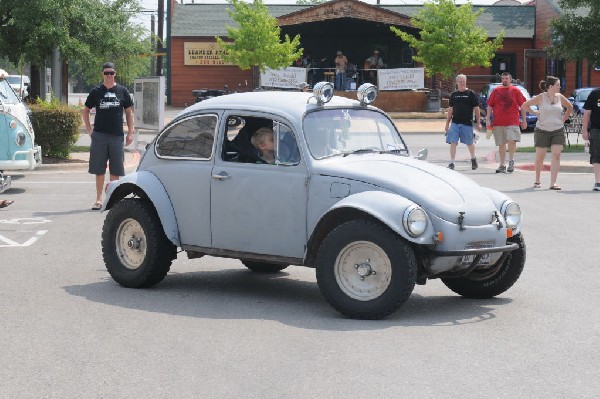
(340, 81)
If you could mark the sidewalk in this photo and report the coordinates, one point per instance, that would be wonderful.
(408, 123)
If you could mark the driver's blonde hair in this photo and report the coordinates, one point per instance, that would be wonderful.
(260, 135)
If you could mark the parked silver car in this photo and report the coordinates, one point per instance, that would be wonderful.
(343, 195)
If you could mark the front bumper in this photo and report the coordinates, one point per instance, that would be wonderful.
(33, 159)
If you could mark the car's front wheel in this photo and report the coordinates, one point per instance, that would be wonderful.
(364, 270)
(264, 267)
(494, 280)
(135, 249)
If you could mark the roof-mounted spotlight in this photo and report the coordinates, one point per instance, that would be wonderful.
(367, 93)
(323, 92)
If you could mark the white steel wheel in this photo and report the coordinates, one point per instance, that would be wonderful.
(363, 270)
(131, 243)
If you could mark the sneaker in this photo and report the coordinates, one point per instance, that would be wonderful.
(501, 169)
(596, 187)
(451, 165)
(474, 164)
(511, 166)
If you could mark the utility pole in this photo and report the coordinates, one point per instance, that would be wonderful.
(159, 41)
(152, 44)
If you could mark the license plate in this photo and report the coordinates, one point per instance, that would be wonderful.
(485, 258)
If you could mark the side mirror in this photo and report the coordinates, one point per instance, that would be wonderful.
(422, 154)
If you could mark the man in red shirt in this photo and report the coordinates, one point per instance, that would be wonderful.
(503, 113)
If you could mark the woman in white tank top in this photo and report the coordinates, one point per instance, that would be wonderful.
(550, 127)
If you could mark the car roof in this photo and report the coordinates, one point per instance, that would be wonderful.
(292, 104)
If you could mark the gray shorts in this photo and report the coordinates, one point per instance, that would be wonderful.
(107, 148)
(502, 134)
(594, 146)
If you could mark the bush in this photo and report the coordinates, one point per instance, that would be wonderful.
(56, 127)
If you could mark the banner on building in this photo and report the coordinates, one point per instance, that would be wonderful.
(203, 53)
(286, 78)
(401, 78)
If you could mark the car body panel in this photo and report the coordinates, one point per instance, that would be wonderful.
(219, 205)
(578, 97)
(15, 122)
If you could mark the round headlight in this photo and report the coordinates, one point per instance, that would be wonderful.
(414, 221)
(367, 93)
(512, 214)
(323, 92)
(20, 139)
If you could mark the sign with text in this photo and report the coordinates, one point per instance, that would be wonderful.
(196, 53)
(401, 78)
(149, 100)
(287, 78)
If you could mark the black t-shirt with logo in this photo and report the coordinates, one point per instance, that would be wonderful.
(593, 104)
(109, 104)
(462, 103)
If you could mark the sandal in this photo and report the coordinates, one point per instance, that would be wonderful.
(97, 206)
(5, 203)
(537, 185)
(555, 187)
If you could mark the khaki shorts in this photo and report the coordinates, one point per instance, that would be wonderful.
(545, 139)
(504, 133)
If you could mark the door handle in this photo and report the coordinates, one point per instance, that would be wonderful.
(221, 176)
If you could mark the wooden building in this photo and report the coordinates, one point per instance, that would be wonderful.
(356, 28)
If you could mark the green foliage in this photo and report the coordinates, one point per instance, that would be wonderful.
(449, 39)
(574, 34)
(87, 31)
(56, 127)
(256, 40)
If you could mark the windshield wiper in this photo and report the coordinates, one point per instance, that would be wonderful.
(361, 151)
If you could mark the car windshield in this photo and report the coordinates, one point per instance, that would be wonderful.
(583, 95)
(334, 132)
(15, 80)
(7, 95)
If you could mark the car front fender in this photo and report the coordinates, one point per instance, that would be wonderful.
(146, 185)
(388, 208)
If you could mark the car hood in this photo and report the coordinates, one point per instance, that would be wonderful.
(438, 190)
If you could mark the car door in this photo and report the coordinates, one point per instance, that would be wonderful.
(186, 150)
(260, 208)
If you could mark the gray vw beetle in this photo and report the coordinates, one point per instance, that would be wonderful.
(341, 194)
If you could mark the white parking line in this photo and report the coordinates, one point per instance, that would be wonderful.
(11, 243)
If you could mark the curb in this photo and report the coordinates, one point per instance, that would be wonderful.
(136, 155)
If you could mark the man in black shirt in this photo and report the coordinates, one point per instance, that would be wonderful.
(463, 102)
(109, 99)
(590, 130)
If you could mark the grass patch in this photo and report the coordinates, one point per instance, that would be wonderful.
(572, 148)
(80, 148)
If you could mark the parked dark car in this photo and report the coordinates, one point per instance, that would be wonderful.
(487, 91)
(578, 97)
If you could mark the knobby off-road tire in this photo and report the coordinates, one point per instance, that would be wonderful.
(135, 249)
(385, 262)
(263, 267)
(493, 281)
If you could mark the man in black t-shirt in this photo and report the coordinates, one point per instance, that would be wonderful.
(463, 103)
(109, 99)
(590, 130)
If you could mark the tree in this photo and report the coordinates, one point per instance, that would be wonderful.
(86, 31)
(256, 41)
(573, 35)
(449, 39)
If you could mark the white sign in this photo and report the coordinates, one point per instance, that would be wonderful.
(149, 102)
(287, 78)
(401, 78)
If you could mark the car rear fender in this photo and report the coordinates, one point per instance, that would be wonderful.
(388, 208)
(146, 185)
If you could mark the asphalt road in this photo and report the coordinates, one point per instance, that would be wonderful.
(216, 330)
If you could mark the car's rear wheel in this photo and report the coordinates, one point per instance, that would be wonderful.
(135, 249)
(364, 270)
(264, 267)
(494, 280)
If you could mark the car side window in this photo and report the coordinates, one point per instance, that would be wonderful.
(190, 138)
